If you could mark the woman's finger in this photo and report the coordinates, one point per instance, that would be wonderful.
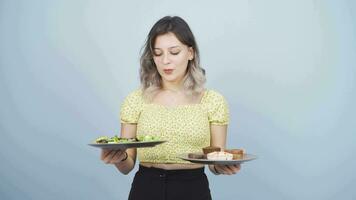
(108, 158)
(118, 157)
(228, 169)
(233, 168)
(223, 169)
(105, 153)
(237, 167)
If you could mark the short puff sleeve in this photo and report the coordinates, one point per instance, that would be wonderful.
(218, 110)
(131, 107)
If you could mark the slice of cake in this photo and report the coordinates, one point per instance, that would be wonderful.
(237, 153)
(210, 149)
(219, 155)
(197, 156)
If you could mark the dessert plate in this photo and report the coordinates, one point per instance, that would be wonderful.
(126, 145)
(245, 158)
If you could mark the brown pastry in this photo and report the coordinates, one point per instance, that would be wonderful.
(210, 149)
(237, 153)
(196, 156)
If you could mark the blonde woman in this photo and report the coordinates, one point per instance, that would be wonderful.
(174, 105)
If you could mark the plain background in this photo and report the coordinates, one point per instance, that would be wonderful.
(287, 69)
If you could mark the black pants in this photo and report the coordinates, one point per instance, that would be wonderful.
(158, 184)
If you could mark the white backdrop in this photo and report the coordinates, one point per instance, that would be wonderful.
(287, 69)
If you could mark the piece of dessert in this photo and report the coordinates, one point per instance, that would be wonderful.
(237, 153)
(197, 156)
(219, 155)
(210, 149)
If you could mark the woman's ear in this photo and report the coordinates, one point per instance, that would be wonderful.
(191, 53)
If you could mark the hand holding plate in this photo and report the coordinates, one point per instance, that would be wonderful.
(227, 169)
(110, 156)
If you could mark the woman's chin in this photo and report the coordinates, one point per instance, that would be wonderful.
(170, 79)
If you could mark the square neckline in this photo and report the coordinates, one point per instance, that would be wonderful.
(182, 105)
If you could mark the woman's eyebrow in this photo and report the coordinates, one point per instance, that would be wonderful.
(172, 47)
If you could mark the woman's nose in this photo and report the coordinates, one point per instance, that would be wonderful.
(166, 59)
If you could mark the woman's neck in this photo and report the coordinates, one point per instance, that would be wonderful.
(175, 87)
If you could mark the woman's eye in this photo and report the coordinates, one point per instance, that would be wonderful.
(175, 52)
(157, 54)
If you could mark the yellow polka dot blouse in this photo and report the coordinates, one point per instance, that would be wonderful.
(186, 128)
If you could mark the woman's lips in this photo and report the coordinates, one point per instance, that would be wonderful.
(168, 71)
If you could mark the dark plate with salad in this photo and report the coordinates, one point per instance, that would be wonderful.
(116, 142)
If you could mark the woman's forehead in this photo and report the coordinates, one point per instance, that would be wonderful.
(167, 41)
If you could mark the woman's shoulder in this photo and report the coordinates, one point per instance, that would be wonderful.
(212, 95)
(135, 95)
(131, 107)
(217, 106)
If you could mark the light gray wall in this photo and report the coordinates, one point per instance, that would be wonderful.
(287, 69)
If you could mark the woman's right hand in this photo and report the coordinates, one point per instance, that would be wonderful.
(110, 156)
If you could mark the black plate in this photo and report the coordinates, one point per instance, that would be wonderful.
(245, 158)
(127, 145)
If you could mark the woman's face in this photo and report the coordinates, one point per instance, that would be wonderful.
(171, 57)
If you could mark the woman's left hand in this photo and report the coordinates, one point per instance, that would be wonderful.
(227, 169)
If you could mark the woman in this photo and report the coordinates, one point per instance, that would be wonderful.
(173, 105)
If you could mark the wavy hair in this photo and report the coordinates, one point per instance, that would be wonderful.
(151, 81)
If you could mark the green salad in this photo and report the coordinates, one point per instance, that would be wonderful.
(116, 140)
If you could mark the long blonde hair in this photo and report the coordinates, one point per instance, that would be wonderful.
(151, 81)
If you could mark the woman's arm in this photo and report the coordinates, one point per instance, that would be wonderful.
(123, 160)
(218, 139)
(128, 131)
